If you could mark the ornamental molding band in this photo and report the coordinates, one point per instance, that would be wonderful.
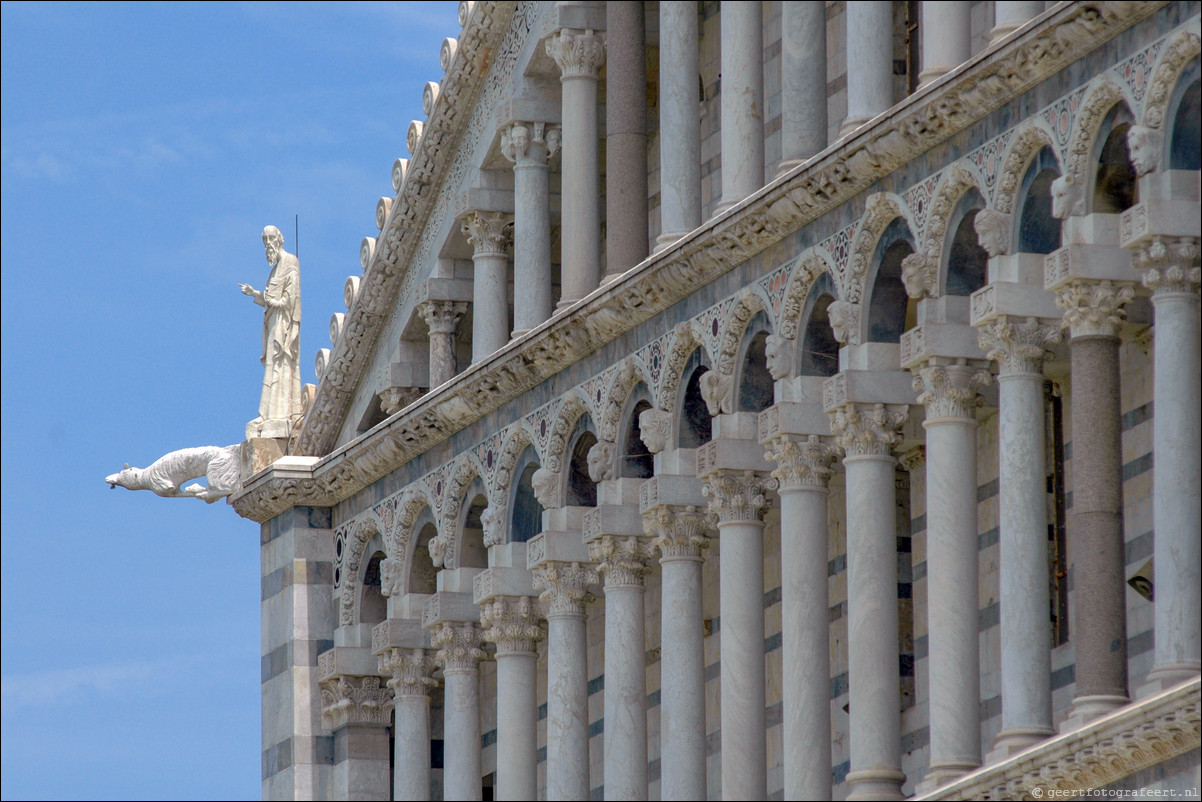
(349, 700)
(566, 587)
(1094, 308)
(1018, 345)
(1103, 752)
(914, 126)
(803, 462)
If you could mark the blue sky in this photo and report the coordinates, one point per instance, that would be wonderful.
(144, 148)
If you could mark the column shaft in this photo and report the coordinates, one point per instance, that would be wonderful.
(1096, 526)
(742, 102)
(532, 299)
(625, 138)
(625, 691)
(461, 733)
(411, 747)
(805, 647)
(1009, 16)
(872, 628)
(679, 129)
(682, 683)
(946, 38)
(490, 304)
(442, 317)
(517, 726)
(567, 707)
(869, 61)
(802, 81)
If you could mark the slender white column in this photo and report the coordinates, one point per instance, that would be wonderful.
(442, 317)
(1009, 16)
(803, 470)
(946, 38)
(1026, 658)
(529, 145)
(566, 597)
(738, 499)
(679, 131)
(869, 61)
(681, 537)
(410, 683)
(459, 653)
(622, 561)
(625, 138)
(950, 395)
(742, 102)
(511, 622)
(489, 232)
(868, 435)
(1171, 271)
(803, 121)
(579, 55)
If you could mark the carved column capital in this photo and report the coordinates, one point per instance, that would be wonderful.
(411, 671)
(1094, 308)
(913, 458)
(394, 399)
(347, 700)
(863, 430)
(458, 646)
(1018, 345)
(511, 622)
(950, 391)
(1169, 265)
(679, 532)
(621, 559)
(802, 461)
(530, 143)
(579, 54)
(442, 316)
(566, 587)
(738, 496)
(488, 232)
(655, 429)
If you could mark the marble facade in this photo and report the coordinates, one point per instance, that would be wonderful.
(819, 472)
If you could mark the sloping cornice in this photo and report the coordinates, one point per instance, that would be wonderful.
(925, 119)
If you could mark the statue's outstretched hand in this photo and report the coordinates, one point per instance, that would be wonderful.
(248, 290)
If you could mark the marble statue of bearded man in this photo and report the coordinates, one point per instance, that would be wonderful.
(281, 304)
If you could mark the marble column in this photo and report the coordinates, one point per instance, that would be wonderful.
(1093, 314)
(948, 389)
(742, 27)
(357, 711)
(1018, 346)
(804, 471)
(1170, 270)
(625, 138)
(529, 145)
(869, 61)
(739, 500)
(803, 123)
(946, 38)
(489, 233)
(511, 622)
(679, 128)
(410, 684)
(579, 55)
(867, 434)
(566, 597)
(442, 317)
(622, 563)
(460, 654)
(1009, 16)
(681, 536)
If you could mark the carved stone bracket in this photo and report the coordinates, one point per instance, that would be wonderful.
(993, 231)
(511, 622)
(355, 700)
(655, 429)
(920, 275)
(517, 138)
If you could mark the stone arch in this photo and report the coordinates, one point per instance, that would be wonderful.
(754, 384)
(413, 501)
(1181, 48)
(562, 427)
(880, 211)
(465, 470)
(817, 352)
(630, 373)
(963, 263)
(420, 575)
(747, 305)
(925, 272)
(1100, 97)
(371, 605)
(468, 548)
(1028, 142)
(684, 342)
(887, 290)
(349, 553)
(811, 266)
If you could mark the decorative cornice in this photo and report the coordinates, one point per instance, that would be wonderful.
(566, 587)
(355, 700)
(738, 496)
(925, 119)
(511, 622)
(802, 462)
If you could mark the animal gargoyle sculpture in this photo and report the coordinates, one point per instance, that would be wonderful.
(219, 465)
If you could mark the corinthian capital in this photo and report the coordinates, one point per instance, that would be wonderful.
(621, 559)
(511, 622)
(354, 700)
(801, 461)
(488, 232)
(950, 391)
(1169, 265)
(679, 532)
(442, 316)
(534, 143)
(458, 646)
(579, 54)
(738, 495)
(868, 429)
(411, 671)
(1018, 345)
(1094, 308)
(566, 587)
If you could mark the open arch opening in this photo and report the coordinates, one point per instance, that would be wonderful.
(1186, 137)
(527, 514)
(472, 552)
(819, 352)
(967, 261)
(1038, 230)
(890, 311)
(373, 607)
(754, 381)
(422, 573)
(637, 460)
(1115, 189)
(696, 425)
(582, 490)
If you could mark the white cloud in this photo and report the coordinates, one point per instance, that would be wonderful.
(68, 686)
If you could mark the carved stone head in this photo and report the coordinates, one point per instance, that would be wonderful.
(1068, 198)
(1146, 146)
(715, 386)
(493, 521)
(843, 319)
(916, 275)
(993, 231)
(544, 483)
(777, 354)
(273, 243)
(127, 477)
(390, 577)
(655, 426)
(600, 461)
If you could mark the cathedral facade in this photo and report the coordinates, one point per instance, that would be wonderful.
(782, 400)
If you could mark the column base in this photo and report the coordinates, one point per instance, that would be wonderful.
(851, 124)
(944, 773)
(1088, 708)
(564, 304)
(786, 166)
(932, 74)
(1161, 678)
(876, 784)
(1000, 32)
(1009, 743)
